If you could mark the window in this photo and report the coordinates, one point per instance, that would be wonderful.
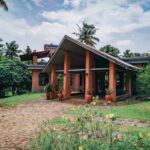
(43, 79)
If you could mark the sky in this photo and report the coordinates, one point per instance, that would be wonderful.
(124, 24)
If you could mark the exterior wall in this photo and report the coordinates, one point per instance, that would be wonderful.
(76, 81)
(35, 81)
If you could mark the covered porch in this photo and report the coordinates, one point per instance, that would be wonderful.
(87, 70)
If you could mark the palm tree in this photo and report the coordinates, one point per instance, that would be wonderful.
(12, 50)
(86, 34)
(3, 4)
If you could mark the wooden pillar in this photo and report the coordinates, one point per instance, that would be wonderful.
(112, 80)
(128, 82)
(66, 84)
(53, 77)
(34, 60)
(88, 74)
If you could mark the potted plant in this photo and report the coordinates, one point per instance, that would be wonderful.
(108, 95)
(60, 90)
(88, 97)
(48, 89)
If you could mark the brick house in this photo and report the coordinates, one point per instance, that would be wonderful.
(84, 69)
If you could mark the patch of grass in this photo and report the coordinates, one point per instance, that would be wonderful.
(139, 111)
(19, 99)
(80, 131)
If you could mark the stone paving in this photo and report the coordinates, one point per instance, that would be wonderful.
(18, 123)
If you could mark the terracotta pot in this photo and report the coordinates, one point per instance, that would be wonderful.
(48, 95)
(60, 95)
(88, 98)
(108, 98)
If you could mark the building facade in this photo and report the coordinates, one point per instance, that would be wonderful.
(84, 70)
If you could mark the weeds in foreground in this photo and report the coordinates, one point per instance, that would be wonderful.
(81, 132)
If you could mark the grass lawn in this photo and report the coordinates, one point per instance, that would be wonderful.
(20, 99)
(139, 111)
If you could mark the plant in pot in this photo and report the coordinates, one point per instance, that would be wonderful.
(60, 90)
(108, 95)
(48, 89)
(88, 97)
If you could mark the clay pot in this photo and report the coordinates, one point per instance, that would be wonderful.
(48, 95)
(88, 98)
(60, 96)
(108, 98)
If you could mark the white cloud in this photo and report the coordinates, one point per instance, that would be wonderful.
(118, 23)
(73, 3)
(123, 43)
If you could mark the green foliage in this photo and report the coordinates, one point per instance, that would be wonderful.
(11, 50)
(28, 51)
(82, 132)
(127, 53)
(48, 88)
(86, 34)
(14, 74)
(108, 91)
(1, 49)
(3, 5)
(143, 79)
(110, 50)
(59, 86)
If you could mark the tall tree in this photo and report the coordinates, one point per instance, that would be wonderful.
(110, 50)
(86, 34)
(1, 48)
(3, 5)
(28, 50)
(127, 53)
(15, 75)
(12, 50)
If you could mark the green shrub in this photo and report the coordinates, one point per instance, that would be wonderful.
(143, 80)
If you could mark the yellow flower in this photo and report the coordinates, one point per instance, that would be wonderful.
(64, 117)
(94, 103)
(107, 116)
(110, 116)
(80, 148)
(93, 97)
(141, 136)
(148, 135)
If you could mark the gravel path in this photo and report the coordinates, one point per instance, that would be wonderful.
(18, 123)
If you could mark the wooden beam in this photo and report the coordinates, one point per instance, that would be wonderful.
(96, 69)
(80, 70)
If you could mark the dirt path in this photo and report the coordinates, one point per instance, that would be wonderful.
(17, 124)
